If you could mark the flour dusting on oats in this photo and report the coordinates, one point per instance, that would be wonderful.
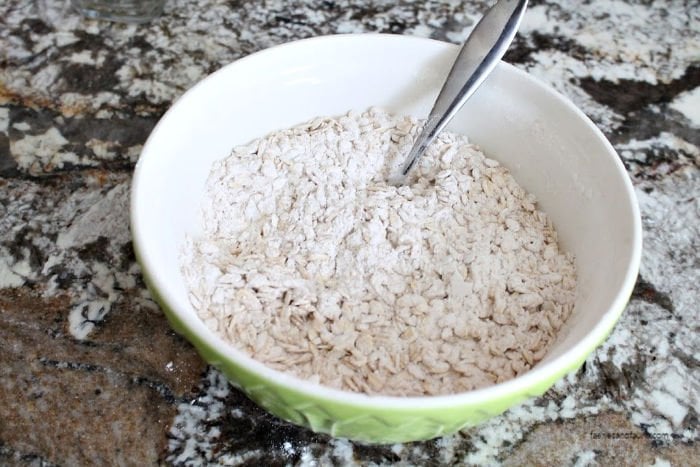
(312, 264)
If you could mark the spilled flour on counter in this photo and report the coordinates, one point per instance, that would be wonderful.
(312, 264)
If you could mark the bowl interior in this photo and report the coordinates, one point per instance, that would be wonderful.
(553, 150)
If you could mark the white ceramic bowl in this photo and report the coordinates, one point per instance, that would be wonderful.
(551, 147)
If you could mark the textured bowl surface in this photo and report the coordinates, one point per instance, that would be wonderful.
(552, 149)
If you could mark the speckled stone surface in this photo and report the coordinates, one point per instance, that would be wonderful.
(91, 374)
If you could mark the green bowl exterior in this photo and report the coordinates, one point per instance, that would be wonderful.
(370, 422)
(352, 420)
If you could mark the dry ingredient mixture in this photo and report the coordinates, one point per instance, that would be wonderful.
(311, 263)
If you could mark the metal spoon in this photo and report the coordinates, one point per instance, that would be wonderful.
(479, 55)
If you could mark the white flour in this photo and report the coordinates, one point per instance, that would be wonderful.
(311, 263)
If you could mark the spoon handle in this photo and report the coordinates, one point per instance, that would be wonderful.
(479, 55)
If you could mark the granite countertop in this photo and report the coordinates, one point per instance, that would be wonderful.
(90, 372)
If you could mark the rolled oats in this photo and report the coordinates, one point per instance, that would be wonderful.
(312, 264)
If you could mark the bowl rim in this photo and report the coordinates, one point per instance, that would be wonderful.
(518, 385)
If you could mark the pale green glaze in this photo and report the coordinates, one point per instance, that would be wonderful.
(353, 421)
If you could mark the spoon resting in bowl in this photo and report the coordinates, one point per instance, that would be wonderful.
(479, 55)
